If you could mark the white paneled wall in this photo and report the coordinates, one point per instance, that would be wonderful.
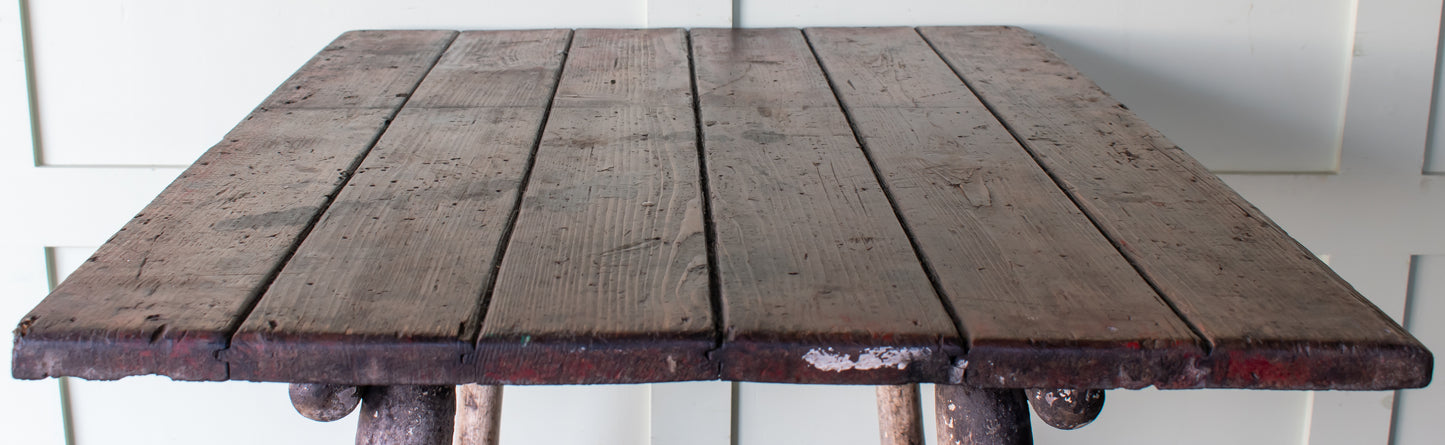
(126, 91)
(1419, 411)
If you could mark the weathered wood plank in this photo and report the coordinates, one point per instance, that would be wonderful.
(495, 69)
(819, 283)
(388, 287)
(362, 69)
(1276, 316)
(164, 294)
(1022, 267)
(627, 68)
(605, 279)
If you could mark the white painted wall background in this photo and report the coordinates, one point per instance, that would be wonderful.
(1322, 109)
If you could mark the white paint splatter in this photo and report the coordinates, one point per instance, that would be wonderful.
(871, 358)
(957, 372)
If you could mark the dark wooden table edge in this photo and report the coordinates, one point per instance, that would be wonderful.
(190, 356)
(542, 362)
(891, 362)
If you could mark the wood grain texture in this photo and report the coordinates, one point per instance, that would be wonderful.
(479, 415)
(388, 287)
(900, 416)
(819, 283)
(1022, 267)
(362, 69)
(164, 294)
(495, 69)
(1275, 315)
(605, 279)
(1040, 218)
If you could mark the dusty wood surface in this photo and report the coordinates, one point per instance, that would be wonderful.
(1020, 265)
(324, 402)
(1036, 235)
(479, 415)
(818, 281)
(900, 415)
(163, 294)
(981, 416)
(1261, 300)
(406, 415)
(607, 266)
(406, 251)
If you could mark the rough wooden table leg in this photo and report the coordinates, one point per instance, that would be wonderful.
(479, 414)
(407, 415)
(322, 402)
(982, 416)
(1066, 409)
(900, 417)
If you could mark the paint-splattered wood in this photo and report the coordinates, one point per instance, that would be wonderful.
(773, 254)
(1021, 266)
(605, 279)
(818, 282)
(164, 294)
(388, 286)
(1275, 315)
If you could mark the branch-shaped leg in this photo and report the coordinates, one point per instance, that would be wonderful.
(982, 416)
(900, 416)
(479, 414)
(407, 415)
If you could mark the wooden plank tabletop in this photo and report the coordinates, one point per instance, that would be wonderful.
(832, 205)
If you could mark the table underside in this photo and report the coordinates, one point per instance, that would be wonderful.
(833, 205)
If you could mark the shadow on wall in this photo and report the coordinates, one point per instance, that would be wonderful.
(1228, 130)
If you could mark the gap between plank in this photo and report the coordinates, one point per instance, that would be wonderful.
(893, 203)
(490, 287)
(1207, 343)
(255, 299)
(714, 287)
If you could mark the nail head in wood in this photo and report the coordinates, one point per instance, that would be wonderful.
(1066, 409)
(407, 415)
(323, 402)
(981, 416)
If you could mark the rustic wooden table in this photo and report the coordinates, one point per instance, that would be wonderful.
(415, 210)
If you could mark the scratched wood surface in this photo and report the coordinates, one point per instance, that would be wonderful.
(168, 289)
(1020, 265)
(815, 271)
(388, 287)
(1262, 301)
(867, 206)
(607, 266)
